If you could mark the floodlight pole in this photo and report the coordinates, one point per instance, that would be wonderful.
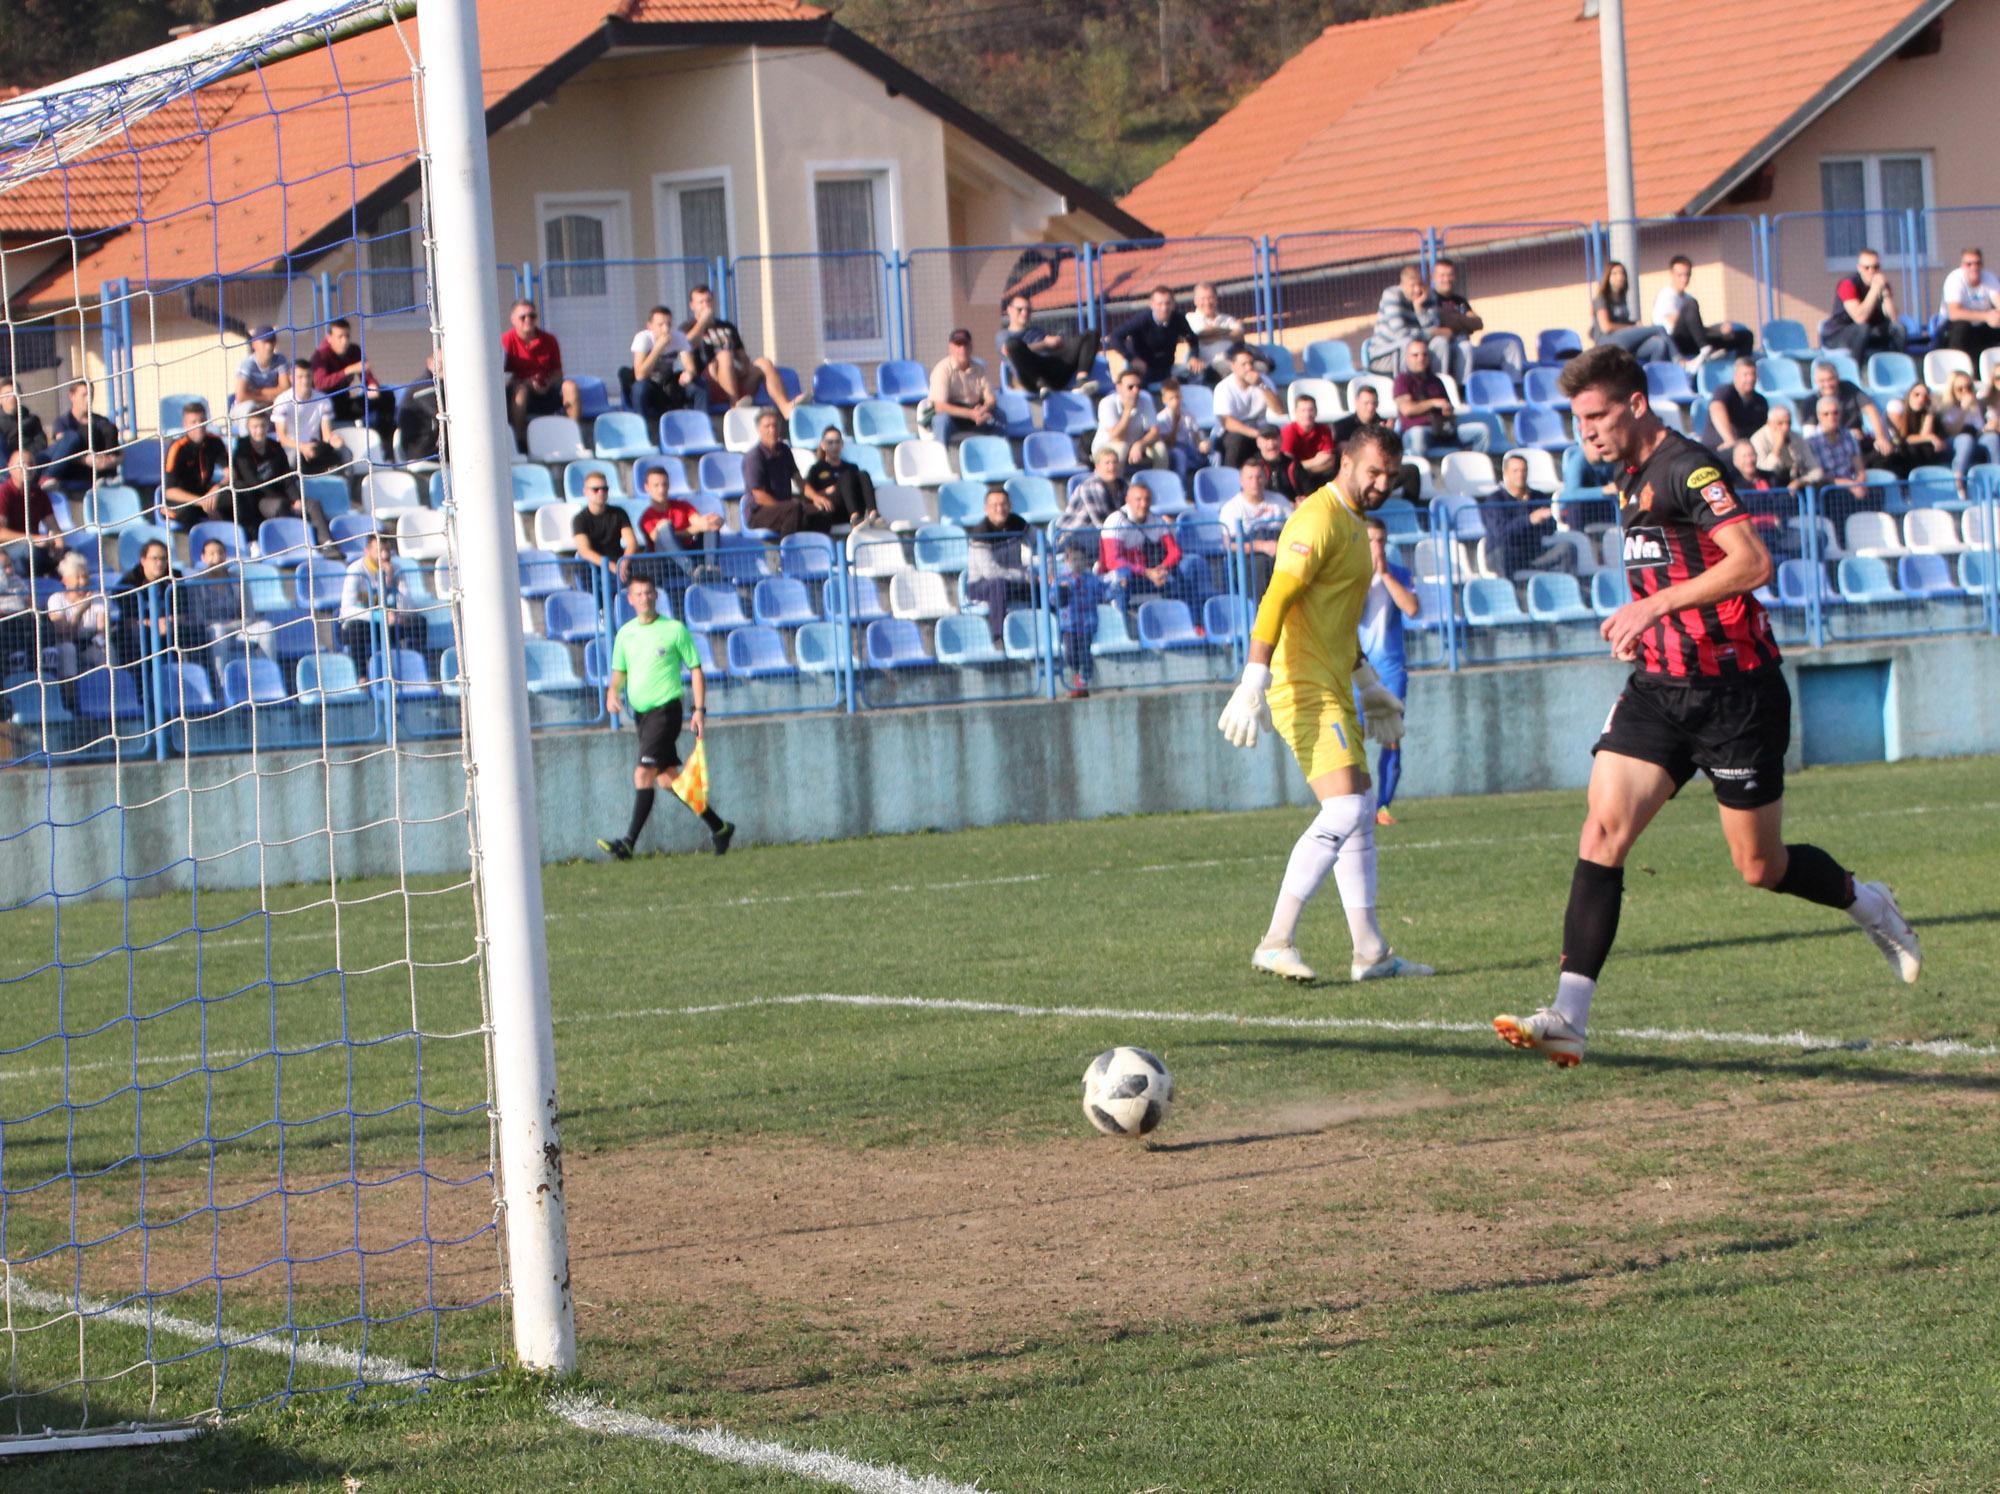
(1618, 194)
(461, 252)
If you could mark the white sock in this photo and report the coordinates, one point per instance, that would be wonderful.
(1284, 930)
(1354, 875)
(1572, 1003)
(1868, 906)
(1316, 854)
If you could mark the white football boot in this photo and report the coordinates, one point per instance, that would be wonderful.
(1282, 960)
(1389, 967)
(1547, 1033)
(1894, 936)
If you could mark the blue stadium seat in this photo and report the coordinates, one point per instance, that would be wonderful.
(1890, 375)
(838, 384)
(1669, 382)
(1492, 389)
(1399, 516)
(880, 422)
(1922, 576)
(111, 504)
(963, 639)
(1935, 487)
(550, 668)
(1540, 387)
(941, 547)
(1785, 336)
(542, 573)
(1166, 622)
(405, 670)
(1283, 370)
(704, 656)
(1714, 376)
(569, 616)
(1554, 598)
(1050, 454)
(1017, 414)
(575, 474)
(782, 602)
(1199, 533)
(1215, 485)
(217, 529)
(894, 643)
(1843, 364)
(1017, 634)
(1492, 604)
(1330, 358)
(902, 380)
(721, 473)
(674, 467)
(962, 502)
(1033, 497)
(819, 647)
(264, 587)
(1199, 402)
(805, 557)
(1225, 619)
(864, 603)
(255, 680)
(592, 398)
(1608, 592)
(1556, 344)
(1068, 412)
(1113, 637)
(621, 436)
(1976, 574)
(757, 652)
(686, 433)
(986, 459)
(329, 679)
(533, 485)
(1864, 579)
(811, 421)
(187, 691)
(1781, 378)
(714, 609)
(317, 584)
(789, 378)
(1541, 427)
(284, 542)
(101, 691)
(1169, 496)
(1797, 582)
(290, 634)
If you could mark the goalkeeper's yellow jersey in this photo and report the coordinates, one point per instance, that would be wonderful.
(1319, 583)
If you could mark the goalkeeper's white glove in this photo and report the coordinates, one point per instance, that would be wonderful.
(1247, 714)
(1381, 711)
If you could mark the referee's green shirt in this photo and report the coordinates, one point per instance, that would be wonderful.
(651, 656)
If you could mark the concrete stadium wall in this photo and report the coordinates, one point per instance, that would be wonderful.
(822, 777)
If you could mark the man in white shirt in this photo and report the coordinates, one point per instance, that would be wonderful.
(663, 368)
(1216, 335)
(1678, 314)
(1251, 520)
(303, 423)
(1971, 307)
(1245, 402)
(1127, 421)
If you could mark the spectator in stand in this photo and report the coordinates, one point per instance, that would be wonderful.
(341, 374)
(1913, 431)
(1251, 521)
(194, 484)
(84, 450)
(1137, 553)
(373, 607)
(1782, 454)
(962, 401)
(671, 523)
(1858, 414)
(771, 490)
(211, 600)
(29, 532)
(1678, 314)
(1961, 421)
(1046, 362)
(1094, 500)
(535, 382)
(664, 376)
(1367, 411)
(1970, 305)
(303, 424)
(1279, 477)
(77, 620)
(1391, 597)
(1863, 320)
(1127, 420)
(603, 534)
(1245, 402)
(18, 650)
(419, 432)
(260, 472)
(1738, 412)
(833, 478)
(1837, 455)
(996, 564)
(1216, 334)
(1424, 410)
(262, 375)
(1612, 319)
(1764, 499)
(1150, 342)
(728, 372)
(1185, 443)
(1452, 320)
(1408, 313)
(1308, 446)
(20, 427)
(1519, 522)
(1079, 593)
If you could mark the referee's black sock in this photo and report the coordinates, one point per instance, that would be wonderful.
(1815, 876)
(711, 819)
(1591, 921)
(642, 810)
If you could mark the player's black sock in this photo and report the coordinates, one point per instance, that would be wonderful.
(711, 819)
(1815, 876)
(642, 810)
(1591, 921)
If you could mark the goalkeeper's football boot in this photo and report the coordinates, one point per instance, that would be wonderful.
(1546, 1033)
(1282, 960)
(1893, 935)
(1389, 967)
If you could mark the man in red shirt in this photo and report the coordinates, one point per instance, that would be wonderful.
(341, 374)
(535, 382)
(1308, 446)
(29, 532)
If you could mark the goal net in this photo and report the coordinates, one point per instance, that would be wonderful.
(247, 976)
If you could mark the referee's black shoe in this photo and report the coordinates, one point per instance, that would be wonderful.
(621, 848)
(720, 838)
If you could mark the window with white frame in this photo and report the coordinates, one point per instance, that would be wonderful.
(1869, 201)
(851, 232)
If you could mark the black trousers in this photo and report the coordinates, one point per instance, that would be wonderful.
(376, 407)
(1970, 338)
(1045, 372)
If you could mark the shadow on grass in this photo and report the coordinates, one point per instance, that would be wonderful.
(227, 1458)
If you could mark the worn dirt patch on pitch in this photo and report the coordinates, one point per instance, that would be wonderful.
(971, 1249)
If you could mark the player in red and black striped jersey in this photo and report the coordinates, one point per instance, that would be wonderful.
(1707, 693)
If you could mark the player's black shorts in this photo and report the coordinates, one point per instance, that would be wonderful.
(659, 735)
(1736, 731)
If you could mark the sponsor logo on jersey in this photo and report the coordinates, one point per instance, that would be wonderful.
(1701, 477)
(1300, 547)
(1719, 498)
(1645, 547)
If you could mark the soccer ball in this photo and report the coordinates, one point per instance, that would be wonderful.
(1127, 1092)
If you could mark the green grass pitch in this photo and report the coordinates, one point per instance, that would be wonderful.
(1396, 1256)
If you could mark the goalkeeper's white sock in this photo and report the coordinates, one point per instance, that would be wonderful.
(1354, 875)
(1316, 854)
(1572, 1003)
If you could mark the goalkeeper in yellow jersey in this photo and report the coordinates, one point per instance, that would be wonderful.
(1304, 649)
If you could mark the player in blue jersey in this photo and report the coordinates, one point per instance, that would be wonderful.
(1392, 596)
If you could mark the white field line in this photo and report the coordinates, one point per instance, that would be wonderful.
(578, 1411)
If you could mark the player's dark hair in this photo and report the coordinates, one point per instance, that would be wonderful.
(1381, 437)
(1606, 367)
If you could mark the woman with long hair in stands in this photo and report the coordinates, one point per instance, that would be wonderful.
(1611, 319)
(1962, 423)
(1913, 427)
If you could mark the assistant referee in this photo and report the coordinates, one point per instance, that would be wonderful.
(646, 663)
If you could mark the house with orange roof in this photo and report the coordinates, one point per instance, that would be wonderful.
(635, 146)
(1793, 129)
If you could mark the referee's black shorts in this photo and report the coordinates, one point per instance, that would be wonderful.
(659, 735)
(1735, 730)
